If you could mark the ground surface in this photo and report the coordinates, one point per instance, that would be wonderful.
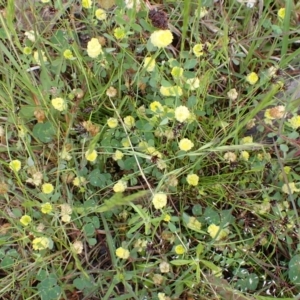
(149, 150)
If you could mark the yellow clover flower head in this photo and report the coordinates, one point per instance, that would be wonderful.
(247, 140)
(47, 188)
(118, 155)
(100, 14)
(120, 186)
(230, 156)
(119, 33)
(94, 48)
(252, 78)
(129, 121)
(164, 267)
(149, 64)
(198, 50)
(281, 13)
(161, 38)
(78, 181)
(38, 58)
(165, 91)
(232, 94)
(122, 253)
(112, 122)
(15, 165)
(40, 243)
(111, 92)
(175, 90)
(275, 113)
(27, 50)
(290, 188)
(159, 200)
(155, 106)
(91, 155)
(186, 144)
(68, 54)
(192, 179)
(182, 113)
(216, 232)
(30, 35)
(77, 247)
(25, 220)
(193, 83)
(245, 155)
(177, 72)
(46, 208)
(59, 104)
(294, 122)
(179, 249)
(86, 3)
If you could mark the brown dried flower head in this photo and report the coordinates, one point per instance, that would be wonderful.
(158, 18)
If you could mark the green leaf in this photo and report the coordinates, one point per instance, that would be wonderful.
(181, 262)
(44, 132)
(294, 270)
(249, 283)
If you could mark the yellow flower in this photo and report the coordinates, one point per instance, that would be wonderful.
(78, 181)
(177, 72)
(201, 12)
(15, 165)
(167, 218)
(133, 4)
(77, 247)
(59, 104)
(232, 94)
(159, 200)
(25, 220)
(120, 186)
(38, 59)
(216, 232)
(30, 35)
(230, 156)
(281, 13)
(193, 83)
(186, 145)
(68, 54)
(129, 121)
(46, 208)
(27, 50)
(179, 249)
(111, 92)
(119, 33)
(86, 3)
(245, 155)
(122, 253)
(252, 78)
(149, 64)
(194, 224)
(275, 113)
(64, 154)
(65, 218)
(192, 179)
(175, 90)
(45, 1)
(164, 267)
(47, 188)
(117, 155)
(94, 48)
(182, 113)
(91, 155)
(286, 188)
(247, 140)
(36, 178)
(165, 91)
(100, 14)
(294, 122)
(125, 142)
(112, 122)
(155, 106)
(161, 38)
(40, 243)
(66, 209)
(198, 50)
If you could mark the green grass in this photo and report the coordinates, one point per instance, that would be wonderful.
(101, 229)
